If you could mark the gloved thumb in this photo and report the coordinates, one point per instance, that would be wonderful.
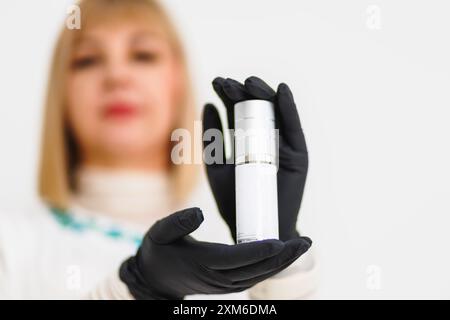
(175, 226)
(212, 130)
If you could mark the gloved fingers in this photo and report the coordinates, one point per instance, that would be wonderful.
(211, 118)
(235, 91)
(175, 226)
(291, 251)
(212, 130)
(259, 89)
(291, 160)
(251, 282)
(216, 282)
(224, 257)
(288, 119)
(218, 84)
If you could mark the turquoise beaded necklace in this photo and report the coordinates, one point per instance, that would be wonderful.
(67, 220)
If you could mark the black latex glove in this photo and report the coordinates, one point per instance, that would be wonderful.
(170, 264)
(293, 156)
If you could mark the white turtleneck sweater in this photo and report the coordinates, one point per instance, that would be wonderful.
(46, 256)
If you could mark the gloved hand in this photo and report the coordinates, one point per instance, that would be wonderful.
(170, 264)
(293, 155)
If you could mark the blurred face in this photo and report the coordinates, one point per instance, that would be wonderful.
(122, 94)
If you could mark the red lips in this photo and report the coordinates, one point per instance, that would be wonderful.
(120, 110)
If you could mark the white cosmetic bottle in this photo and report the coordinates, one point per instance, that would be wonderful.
(256, 158)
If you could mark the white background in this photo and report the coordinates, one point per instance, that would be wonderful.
(374, 101)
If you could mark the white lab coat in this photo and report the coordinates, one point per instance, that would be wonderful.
(42, 259)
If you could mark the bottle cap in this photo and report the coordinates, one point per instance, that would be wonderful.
(255, 135)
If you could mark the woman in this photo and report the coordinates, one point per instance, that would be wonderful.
(118, 87)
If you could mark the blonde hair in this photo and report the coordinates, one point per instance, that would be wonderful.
(58, 150)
